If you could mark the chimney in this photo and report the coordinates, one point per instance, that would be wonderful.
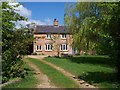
(55, 22)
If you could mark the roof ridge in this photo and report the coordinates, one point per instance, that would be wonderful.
(51, 25)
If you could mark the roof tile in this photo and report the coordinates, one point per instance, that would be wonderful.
(51, 29)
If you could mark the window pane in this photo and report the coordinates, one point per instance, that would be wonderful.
(50, 47)
(37, 47)
(63, 35)
(48, 36)
(46, 46)
(66, 46)
(63, 47)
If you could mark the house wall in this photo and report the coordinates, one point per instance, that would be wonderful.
(40, 39)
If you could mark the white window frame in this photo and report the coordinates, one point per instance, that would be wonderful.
(38, 48)
(48, 36)
(46, 47)
(63, 36)
(62, 47)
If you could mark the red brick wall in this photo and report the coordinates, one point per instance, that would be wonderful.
(41, 40)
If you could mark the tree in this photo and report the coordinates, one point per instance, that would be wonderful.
(110, 16)
(14, 43)
(97, 23)
(56, 42)
(79, 20)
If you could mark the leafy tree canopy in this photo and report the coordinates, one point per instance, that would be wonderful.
(15, 43)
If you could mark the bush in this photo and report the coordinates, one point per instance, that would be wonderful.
(49, 56)
(77, 54)
(34, 53)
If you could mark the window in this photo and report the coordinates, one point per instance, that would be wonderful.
(63, 36)
(38, 47)
(48, 47)
(63, 47)
(48, 36)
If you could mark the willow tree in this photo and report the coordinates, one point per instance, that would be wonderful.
(79, 18)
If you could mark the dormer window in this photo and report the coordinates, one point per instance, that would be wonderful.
(63, 36)
(48, 36)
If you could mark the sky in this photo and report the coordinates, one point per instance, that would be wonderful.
(41, 13)
(46, 12)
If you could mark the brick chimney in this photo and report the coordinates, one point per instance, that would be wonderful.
(55, 22)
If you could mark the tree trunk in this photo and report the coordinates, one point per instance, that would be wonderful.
(87, 48)
(58, 54)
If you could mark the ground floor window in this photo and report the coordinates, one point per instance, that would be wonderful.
(38, 47)
(48, 47)
(63, 47)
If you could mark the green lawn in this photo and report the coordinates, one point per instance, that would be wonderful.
(97, 70)
(56, 77)
(28, 82)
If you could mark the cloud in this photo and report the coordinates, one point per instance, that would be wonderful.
(28, 13)
(38, 22)
(48, 21)
(22, 10)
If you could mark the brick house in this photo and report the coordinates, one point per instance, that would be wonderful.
(52, 40)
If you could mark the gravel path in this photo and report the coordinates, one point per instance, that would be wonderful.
(44, 81)
(81, 83)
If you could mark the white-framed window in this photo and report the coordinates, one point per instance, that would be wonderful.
(48, 47)
(48, 36)
(38, 47)
(63, 36)
(63, 47)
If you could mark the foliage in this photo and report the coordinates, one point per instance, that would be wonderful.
(80, 20)
(98, 24)
(111, 23)
(28, 82)
(15, 43)
(56, 42)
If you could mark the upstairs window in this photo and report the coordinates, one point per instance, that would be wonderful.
(38, 47)
(63, 36)
(48, 47)
(63, 47)
(48, 36)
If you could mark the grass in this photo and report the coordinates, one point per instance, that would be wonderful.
(56, 77)
(96, 70)
(28, 82)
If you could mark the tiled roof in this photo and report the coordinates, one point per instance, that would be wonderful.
(51, 29)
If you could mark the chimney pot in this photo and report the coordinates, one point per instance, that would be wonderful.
(55, 22)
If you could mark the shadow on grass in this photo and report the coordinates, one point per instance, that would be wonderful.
(26, 69)
(106, 61)
(99, 77)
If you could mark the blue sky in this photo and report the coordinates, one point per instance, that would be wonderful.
(44, 12)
